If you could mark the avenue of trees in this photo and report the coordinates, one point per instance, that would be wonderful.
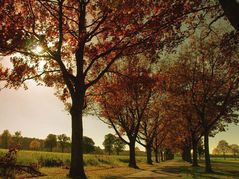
(106, 54)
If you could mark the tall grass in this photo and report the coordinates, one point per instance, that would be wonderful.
(52, 159)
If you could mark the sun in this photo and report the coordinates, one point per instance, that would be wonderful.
(38, 49)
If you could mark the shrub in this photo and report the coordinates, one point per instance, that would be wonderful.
(91, 162)
(50, 162)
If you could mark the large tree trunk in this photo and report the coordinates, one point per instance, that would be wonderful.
(231, 10)
(208, 167)
(132, 159)
(156, 155)
(77, 164)
(195, 153)
(149, 154)
(186, 155)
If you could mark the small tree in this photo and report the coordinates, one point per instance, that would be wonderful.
(234, 148)
(6, 139)
(35, 145)
(88, 145)
(63, 141)
(215, 151)
(223, 147)
(17, 137)
(119, 145)
(109, 143)
(51, 141)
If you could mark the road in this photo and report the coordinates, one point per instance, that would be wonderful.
(158, 171)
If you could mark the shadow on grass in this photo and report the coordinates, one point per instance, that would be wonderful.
(198, 172)
(111, 177)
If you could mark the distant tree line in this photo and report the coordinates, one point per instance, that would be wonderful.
(224, 149)
(56, 143)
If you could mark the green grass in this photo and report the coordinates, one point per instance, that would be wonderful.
(228, 169)
(53, 159)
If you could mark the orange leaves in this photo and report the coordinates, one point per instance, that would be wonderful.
(3, 73)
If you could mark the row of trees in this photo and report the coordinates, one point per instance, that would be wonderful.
(224, 148)
(193, 95)
(82, 39)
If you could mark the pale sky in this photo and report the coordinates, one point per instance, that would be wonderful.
(37, 112)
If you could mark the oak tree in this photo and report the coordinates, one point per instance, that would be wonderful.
(126, 95)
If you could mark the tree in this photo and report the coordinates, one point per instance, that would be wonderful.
(17, 137)
(78, 41)
(215, 151)
(98, 150)
(109, 143)
(234, 148)
(158, 142)
(35, 145)
(63, 141)
(119, 145)
(125, 100)
(6, 139)
(223, 147)
(50, 141)
(150, 124)
(88, 145)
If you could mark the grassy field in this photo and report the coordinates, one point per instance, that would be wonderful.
(55, 165)
(52, 159)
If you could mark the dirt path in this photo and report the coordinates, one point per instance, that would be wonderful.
(158, 171)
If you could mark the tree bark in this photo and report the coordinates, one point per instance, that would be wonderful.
(231, 10)
(195, 153)
(156, 155)
(208, 167)
(224, 155)
(77, 163)
(132, 159)
(149, 154)
(186, 155)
